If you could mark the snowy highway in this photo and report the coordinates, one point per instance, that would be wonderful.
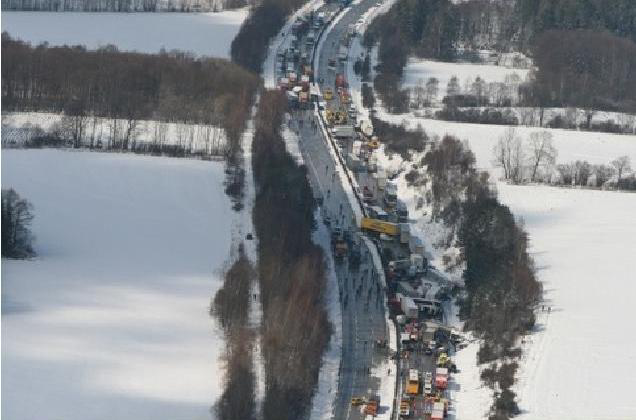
(363, 365)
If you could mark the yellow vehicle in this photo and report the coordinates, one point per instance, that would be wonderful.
(340, 117)
(328, 95)
(357, 401)
(413, 383)
(329, 115)
(379, 226)
(373, 144)
(442, 360)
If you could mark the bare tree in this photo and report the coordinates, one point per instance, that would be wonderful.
(432, 89)
(542, 151)
(622, 164)
(452, 88)
(508, 154)
(419, 94)
(478, 88)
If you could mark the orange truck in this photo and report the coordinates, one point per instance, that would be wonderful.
(413, 382)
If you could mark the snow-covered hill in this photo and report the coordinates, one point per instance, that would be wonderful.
(110, 321)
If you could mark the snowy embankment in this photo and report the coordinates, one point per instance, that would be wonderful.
(19, 128)
(579, 363)
(207, 34)
(323, 401)
(111, 320)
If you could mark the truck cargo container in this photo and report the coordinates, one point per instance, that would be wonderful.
(409, 307)
(441, 378)
(413, 382)
(379, 226)
(343, 53)
(405, 233)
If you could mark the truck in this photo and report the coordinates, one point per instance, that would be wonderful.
(405, 407)
(340, 81)
(379, 226)
(405, 232)
(381, 180)
(409, 307)
(367, 195)
(402, 212)
(439, 410)
(390, 195)
(343, 53)
(413, 382)
(441, 378)
(304, 82)
(399, 265)
(371, 408)
(343, 132)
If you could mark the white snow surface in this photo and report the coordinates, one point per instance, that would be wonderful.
(571, 145)
(580, 358)
(471, 398)
(110, 320)
(208, 34)
(417, 70)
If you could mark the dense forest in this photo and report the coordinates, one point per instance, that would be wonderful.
(122, 5)
(291, 270)
(249, 47)
(585, 69)
(171, 87)
(584, 49)
(536, 16)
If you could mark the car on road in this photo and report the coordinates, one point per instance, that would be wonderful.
(405, 408)
(328, 95)
(428, 388)
(357, 401)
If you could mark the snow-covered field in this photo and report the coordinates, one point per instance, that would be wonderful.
(417, 71)
(110, 321)
(571, 145)
(201, 33)
(580, 363)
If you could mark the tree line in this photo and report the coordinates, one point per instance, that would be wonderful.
(265, 19)
(501, 290)
(534, 159)
(291, 270)
(230, 306)
(17, 215)
(168, 87)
